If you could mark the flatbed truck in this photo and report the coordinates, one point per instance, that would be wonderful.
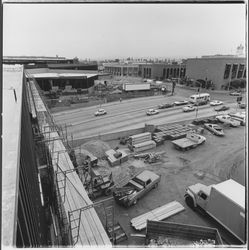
(192, 140)
(225, 202)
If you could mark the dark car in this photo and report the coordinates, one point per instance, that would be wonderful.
(165, 105)
(242, 105)
(199, 121)
(222, 108)
(200, 103)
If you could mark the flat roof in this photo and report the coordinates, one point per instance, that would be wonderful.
(62, 75)
(12, 103)
(233, 190)
(34, 58)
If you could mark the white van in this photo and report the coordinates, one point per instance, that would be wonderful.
(202, 97)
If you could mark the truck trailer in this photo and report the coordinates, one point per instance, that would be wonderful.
(161, 233)
(134, 86)
(225, 202)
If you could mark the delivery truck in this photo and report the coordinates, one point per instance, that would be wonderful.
(225, 202)
(134, 86)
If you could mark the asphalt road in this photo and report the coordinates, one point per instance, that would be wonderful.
(131, 114)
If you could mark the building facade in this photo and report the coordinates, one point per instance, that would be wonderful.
(157, 71)
(220, 70)
(117, 69)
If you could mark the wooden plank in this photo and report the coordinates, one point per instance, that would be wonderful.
(157, 214)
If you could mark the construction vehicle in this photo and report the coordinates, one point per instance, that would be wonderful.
(160, 233)
(225, 202)
(191, 140)
(98, 185)
(136, 187)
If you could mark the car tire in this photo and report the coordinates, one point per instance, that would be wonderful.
(156, 185)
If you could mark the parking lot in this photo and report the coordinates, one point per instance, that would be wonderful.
(220, 158)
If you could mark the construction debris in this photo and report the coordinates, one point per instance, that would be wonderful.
(157, 214)
(148, 157)
(96, 147)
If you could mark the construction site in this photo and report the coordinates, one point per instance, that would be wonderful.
(131, 186)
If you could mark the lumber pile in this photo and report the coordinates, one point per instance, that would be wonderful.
(172, 132)
(141, 142)
(157, 214)
(116, 157)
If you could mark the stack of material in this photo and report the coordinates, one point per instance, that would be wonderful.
(157, 214)
(173, 132)
(141, 142)
(144, 146)
(158, 138)
(113, 159)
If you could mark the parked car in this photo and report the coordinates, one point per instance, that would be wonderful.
(199, 121)
(236, 93)
(227, 119)
(214, 128)
(178, 103)
(242, 105)
(223, 108)
(188, 108)
(100, 112)
(165, 105)
(216, 103)
(152, 112)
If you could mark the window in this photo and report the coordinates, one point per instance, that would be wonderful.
(203, 196)
(240, 71)
(234, 71)
(244, 76)
(227, 71)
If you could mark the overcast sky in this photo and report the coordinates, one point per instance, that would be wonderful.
(100, 31)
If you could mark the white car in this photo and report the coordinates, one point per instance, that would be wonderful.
(178, 103)
(227, 119)
(236, 93)
(215, 103)
(188, 108)
(100, 112)
(152, 112)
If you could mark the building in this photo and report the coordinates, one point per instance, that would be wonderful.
(62, 78)
(23, 214)
(220, 70)
(44, 202)
(161, 71)
(157, 71)
(120, 69)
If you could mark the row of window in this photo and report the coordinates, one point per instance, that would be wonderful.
(235, 71)
(170, 72)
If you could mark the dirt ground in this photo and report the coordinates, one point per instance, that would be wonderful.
(217, 160)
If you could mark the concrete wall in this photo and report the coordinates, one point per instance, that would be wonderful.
(211, 68)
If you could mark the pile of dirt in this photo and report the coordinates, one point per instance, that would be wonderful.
(96, 147)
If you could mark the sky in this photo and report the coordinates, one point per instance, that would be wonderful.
(108, 31)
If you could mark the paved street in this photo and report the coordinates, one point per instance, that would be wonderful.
(131, 114)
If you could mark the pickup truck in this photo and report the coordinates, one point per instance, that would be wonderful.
(136, 188)
(192, 140)
(225, 202)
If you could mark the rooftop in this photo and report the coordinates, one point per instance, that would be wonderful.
(12, 100)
